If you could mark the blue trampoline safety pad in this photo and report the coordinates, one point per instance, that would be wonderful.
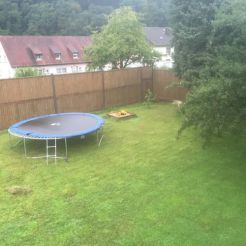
(65, 125)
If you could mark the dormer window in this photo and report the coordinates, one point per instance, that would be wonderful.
(75, 55)
(37, 53)
(38, 57)
(74, 51)
(55, 52)
(58, 56)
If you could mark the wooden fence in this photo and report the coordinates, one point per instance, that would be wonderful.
(27, 97)
(166, 86)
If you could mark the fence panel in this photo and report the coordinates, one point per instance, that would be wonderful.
(8, 115)
(79, 92)
(16, 90)
(24, 97)
(122, 87)
(166, 86)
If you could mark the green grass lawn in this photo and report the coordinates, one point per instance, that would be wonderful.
(141, 187)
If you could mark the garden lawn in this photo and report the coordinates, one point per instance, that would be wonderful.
(141, 187)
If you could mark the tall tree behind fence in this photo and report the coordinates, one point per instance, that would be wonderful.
(27, 97)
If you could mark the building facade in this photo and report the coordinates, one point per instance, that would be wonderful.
(47, 54)
(160, 38)
(65, 54)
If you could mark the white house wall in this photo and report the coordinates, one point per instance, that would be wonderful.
(166, 60)
(6, 71)
(62, 69)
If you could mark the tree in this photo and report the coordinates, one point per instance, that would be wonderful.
(136, 5)
(192, 27)
(26, 72)
(153, 12)
(92, 19)
(10, 17)
(156, 13)
(42, 20)
(74, 17)
(217, 105)
(120, 43)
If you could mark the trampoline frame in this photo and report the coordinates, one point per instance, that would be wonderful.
(54, 156)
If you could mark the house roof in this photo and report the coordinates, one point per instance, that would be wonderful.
(159, 36)
(21, 50)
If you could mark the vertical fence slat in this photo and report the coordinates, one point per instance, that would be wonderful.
(54, 93)
(103, 90)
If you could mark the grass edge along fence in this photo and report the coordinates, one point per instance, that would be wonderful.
(21, 98)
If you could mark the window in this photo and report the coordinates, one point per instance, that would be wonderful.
(39, 57)
(41, 71)
(61, 70)
(58, 56)
(37, 53)
(74, 51)
(75, 69)
(58, 70)
(75, 55)
(55, 52)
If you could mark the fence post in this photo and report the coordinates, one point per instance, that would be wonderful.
(54, 93)
(142, 83)
(103, 90)
(152, 79)
(146, 83)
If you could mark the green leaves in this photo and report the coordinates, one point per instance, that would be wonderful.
(216, 103)
(74, 17)
(192, 25)
(51, 17)
(26, 72)
(120, 43)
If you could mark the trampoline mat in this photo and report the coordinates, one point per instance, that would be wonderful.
(61, 125)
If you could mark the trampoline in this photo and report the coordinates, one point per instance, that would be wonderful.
(53, 127)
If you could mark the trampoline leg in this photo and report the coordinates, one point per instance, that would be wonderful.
(66, 157)
(47, 151)
(55, 155)
(10, 141)
(99, 140)
(24, 141)
(99, 144)
(10, 144)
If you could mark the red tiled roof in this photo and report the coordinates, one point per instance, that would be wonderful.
(21, 50)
